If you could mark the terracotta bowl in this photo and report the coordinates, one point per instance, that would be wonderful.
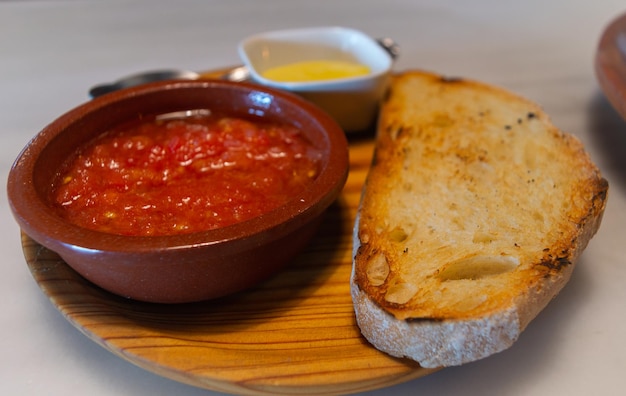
(610, 63)
(187, 267)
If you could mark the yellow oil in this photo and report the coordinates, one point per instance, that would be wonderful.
(317, 70)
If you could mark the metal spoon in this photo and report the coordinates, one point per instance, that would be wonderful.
(390, 46)
(237, 74)
(141, 78)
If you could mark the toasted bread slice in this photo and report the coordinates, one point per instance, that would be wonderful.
(473, 214)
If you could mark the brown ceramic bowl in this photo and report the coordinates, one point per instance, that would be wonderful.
(187, 267)
(610, 63)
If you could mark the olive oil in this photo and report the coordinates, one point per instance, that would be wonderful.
(317, 70)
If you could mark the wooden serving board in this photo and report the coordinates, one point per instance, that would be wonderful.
(294, 334)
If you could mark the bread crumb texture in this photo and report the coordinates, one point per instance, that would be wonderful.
(475, 209)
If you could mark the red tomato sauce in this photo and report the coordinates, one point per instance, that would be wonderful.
(182, 175)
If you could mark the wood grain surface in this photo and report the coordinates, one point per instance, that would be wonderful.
(294, 334)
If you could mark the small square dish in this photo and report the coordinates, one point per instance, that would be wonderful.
(357, 69)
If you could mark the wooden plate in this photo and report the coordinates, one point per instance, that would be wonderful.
(294, 334)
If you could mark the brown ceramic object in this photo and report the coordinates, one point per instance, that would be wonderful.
(610, 63)
(181, 268)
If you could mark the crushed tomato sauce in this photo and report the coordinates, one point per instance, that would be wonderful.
(182, 175)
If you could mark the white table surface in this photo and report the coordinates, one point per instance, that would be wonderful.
(51, 52)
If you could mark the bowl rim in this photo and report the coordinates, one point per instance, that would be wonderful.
(43, 225)
(307, 35)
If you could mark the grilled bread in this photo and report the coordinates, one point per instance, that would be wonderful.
(473, 214)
